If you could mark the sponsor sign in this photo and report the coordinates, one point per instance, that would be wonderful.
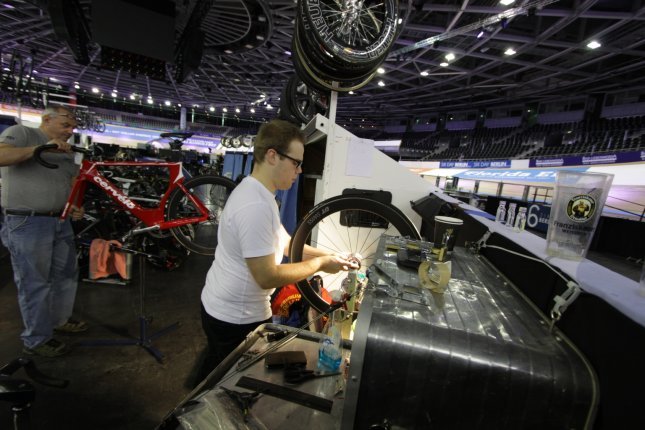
(588, 160)
(532, 175)
(475, 164)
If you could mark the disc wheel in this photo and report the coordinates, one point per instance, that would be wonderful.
(212, 191)
(345, 225)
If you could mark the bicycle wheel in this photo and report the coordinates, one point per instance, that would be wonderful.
(212, 191)
(345, 224)
(356, 32)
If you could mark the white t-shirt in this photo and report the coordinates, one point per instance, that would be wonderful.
(249, 227)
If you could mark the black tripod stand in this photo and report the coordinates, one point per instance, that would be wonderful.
(144, 340)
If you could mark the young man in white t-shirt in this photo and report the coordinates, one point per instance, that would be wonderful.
(251, 243)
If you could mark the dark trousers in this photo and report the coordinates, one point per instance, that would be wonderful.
(223, 338)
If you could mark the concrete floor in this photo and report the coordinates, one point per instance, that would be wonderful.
(114, 387)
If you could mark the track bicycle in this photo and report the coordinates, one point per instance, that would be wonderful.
(189, 208)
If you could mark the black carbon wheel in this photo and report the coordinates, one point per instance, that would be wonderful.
(213, 191)
(345, 224)
(354, 32)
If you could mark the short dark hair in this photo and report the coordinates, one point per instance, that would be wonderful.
(276, 134)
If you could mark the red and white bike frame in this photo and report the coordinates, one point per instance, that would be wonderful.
(151, 217)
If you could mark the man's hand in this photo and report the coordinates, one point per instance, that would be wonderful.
(62, 145)
(336, 263)
(77, 213)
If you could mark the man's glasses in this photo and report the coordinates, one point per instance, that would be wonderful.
(296, 162)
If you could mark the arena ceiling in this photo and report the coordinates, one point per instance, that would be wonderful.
(246, 59)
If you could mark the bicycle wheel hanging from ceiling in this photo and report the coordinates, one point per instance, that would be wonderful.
(345, 224)
(300, 104)
(331, 44)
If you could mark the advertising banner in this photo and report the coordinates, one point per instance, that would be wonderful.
(513, 175)
(476, 164)
(580, 160)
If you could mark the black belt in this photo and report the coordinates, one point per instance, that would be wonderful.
(27, 212)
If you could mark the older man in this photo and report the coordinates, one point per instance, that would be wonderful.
(42, 248)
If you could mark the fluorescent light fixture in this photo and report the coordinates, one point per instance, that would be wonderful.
(351, 92)
(510, 51)
(133, 96)
(424, 73)
(480, 34)
(237, 110)
(381, 83)
(95, 90)
(269, 107)
(450, 56)
(287, 52)
(506, 2)
(380, 70)
(113, 94)
(212, 109)
(167, 102)
(150, 101)
(252, 110)
(77, 86)
(224, 110)
(594, 44)
(444, 64)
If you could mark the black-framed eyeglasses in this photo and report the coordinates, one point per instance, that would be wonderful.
(296, 162)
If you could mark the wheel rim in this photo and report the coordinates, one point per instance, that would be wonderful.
(201, 237)
(345, 224)
(353, 30)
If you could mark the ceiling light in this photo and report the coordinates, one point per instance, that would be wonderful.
(481, 34)
(444, 64)
(506, 2)
(594, 44)
(167, 102)
(450, 56)
(381, 83)
(252, 110)
(351, 92)
(212, 109)
(237, 110)
(269, 107)
(400, 21)
(380, 70)
(510, 51)
(150, 100)
(228, 51)
(77, 86)
(95, 90)
(287, 52)
(133, 96)
(179, 104)
(224, 110)
(115, 90)
(113, 94)
(424, 73)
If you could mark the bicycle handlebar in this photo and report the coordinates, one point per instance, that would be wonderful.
(41, 148)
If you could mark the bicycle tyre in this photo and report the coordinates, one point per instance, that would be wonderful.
(200, 238)
(353, 43)
(354, 238)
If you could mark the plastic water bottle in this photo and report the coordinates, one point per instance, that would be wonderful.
(510, 216)
(520, 220)
(329, 348)
(501, 212)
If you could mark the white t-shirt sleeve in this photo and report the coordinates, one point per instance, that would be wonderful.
(255, 227)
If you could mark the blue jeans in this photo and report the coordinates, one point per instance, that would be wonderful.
(43, 257)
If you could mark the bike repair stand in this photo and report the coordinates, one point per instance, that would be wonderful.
(144, 340)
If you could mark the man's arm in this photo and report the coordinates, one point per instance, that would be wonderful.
(270, 275)
(10, 155)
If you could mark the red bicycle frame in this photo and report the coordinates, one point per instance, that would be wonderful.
(151, 217)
